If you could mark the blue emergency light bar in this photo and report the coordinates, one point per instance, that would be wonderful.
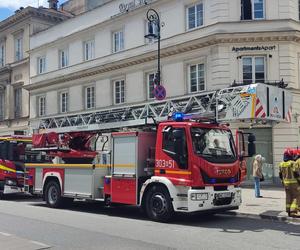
(178, 116)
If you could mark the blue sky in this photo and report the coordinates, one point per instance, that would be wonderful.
(7, 7)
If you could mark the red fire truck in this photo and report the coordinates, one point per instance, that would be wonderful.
(184, 164)
(14, 151)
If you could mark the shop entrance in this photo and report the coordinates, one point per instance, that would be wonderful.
(264, 147)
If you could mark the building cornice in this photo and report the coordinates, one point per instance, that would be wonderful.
(19, 63)
(291, 36)
(44, 13)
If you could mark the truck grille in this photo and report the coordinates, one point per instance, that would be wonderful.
(209, 180)
(222, 201)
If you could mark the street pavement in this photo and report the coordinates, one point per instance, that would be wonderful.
(270, 206)
(26, 224)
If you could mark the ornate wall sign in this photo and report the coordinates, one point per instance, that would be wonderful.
(125, 7)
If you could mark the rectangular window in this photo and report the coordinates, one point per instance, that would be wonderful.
(119, 91)
(2, 103)
(89, 50)
(118, 41)
(197, 77)
(63, 58)
(41, 61)
(64, 100)
(42, 106)
(254, 69)
(18, 102)
(90, 97)
(195, 16)
(19, 47)
(252, 9)
(2, 55)
(171, 147)
(150, 85)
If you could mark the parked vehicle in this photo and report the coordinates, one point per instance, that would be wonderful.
(187, 164)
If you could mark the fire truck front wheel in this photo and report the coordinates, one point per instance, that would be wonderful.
(53, 195)
(158, 204)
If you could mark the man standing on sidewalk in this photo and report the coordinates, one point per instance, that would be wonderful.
(289, 180)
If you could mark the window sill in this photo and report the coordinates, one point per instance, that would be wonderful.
(119, 104)
(253, 20)
(196, 28)
(119, 51)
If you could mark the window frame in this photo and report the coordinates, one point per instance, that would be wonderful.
(61, 102)
(253, 67)
(66, 58)
(148, 84)
(41, 106)
(18, 47)
(90, 55)
(115, 91)
(89, 105)
(18, 102)
(197, 71)
(2, 54)
(121, 41)
(299, 10)
(196, 20)
(41, 68)
(2, 105)
(253, 11)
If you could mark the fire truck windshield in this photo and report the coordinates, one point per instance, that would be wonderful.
(215, 145)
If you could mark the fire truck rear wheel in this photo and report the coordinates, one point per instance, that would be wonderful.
(53, 195)
(158, 204)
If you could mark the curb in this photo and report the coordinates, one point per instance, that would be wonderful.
(263, 217)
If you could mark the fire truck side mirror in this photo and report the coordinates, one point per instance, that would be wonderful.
(251, 145)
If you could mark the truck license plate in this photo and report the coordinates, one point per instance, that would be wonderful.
(223, 195)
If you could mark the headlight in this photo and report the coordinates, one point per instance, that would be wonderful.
(238, 193)
(199, 196)
(10, 182)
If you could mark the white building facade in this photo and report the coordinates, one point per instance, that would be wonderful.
(101, 61)
(15, 32)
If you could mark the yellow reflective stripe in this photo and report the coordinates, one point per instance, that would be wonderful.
(290, 181)
(286, 164)
(7, 169)
(15, 139)
(43, 165)
(294, 206)
(174, 172)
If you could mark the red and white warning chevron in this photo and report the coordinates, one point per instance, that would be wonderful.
(288, 117)
(259, 111)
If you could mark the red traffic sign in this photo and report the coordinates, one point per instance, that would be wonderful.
(160, 92)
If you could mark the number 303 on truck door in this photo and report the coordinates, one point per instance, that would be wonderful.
(165, 164)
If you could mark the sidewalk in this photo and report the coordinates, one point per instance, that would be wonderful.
(11, 242)
(271, 206)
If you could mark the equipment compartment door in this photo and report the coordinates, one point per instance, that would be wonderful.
(123, 190)
(124, 155)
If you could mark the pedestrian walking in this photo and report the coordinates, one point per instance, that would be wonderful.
(289, 176)
(257, 174)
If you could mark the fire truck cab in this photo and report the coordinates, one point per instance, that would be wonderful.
(12, 158)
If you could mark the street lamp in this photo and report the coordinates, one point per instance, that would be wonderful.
(154, 34)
